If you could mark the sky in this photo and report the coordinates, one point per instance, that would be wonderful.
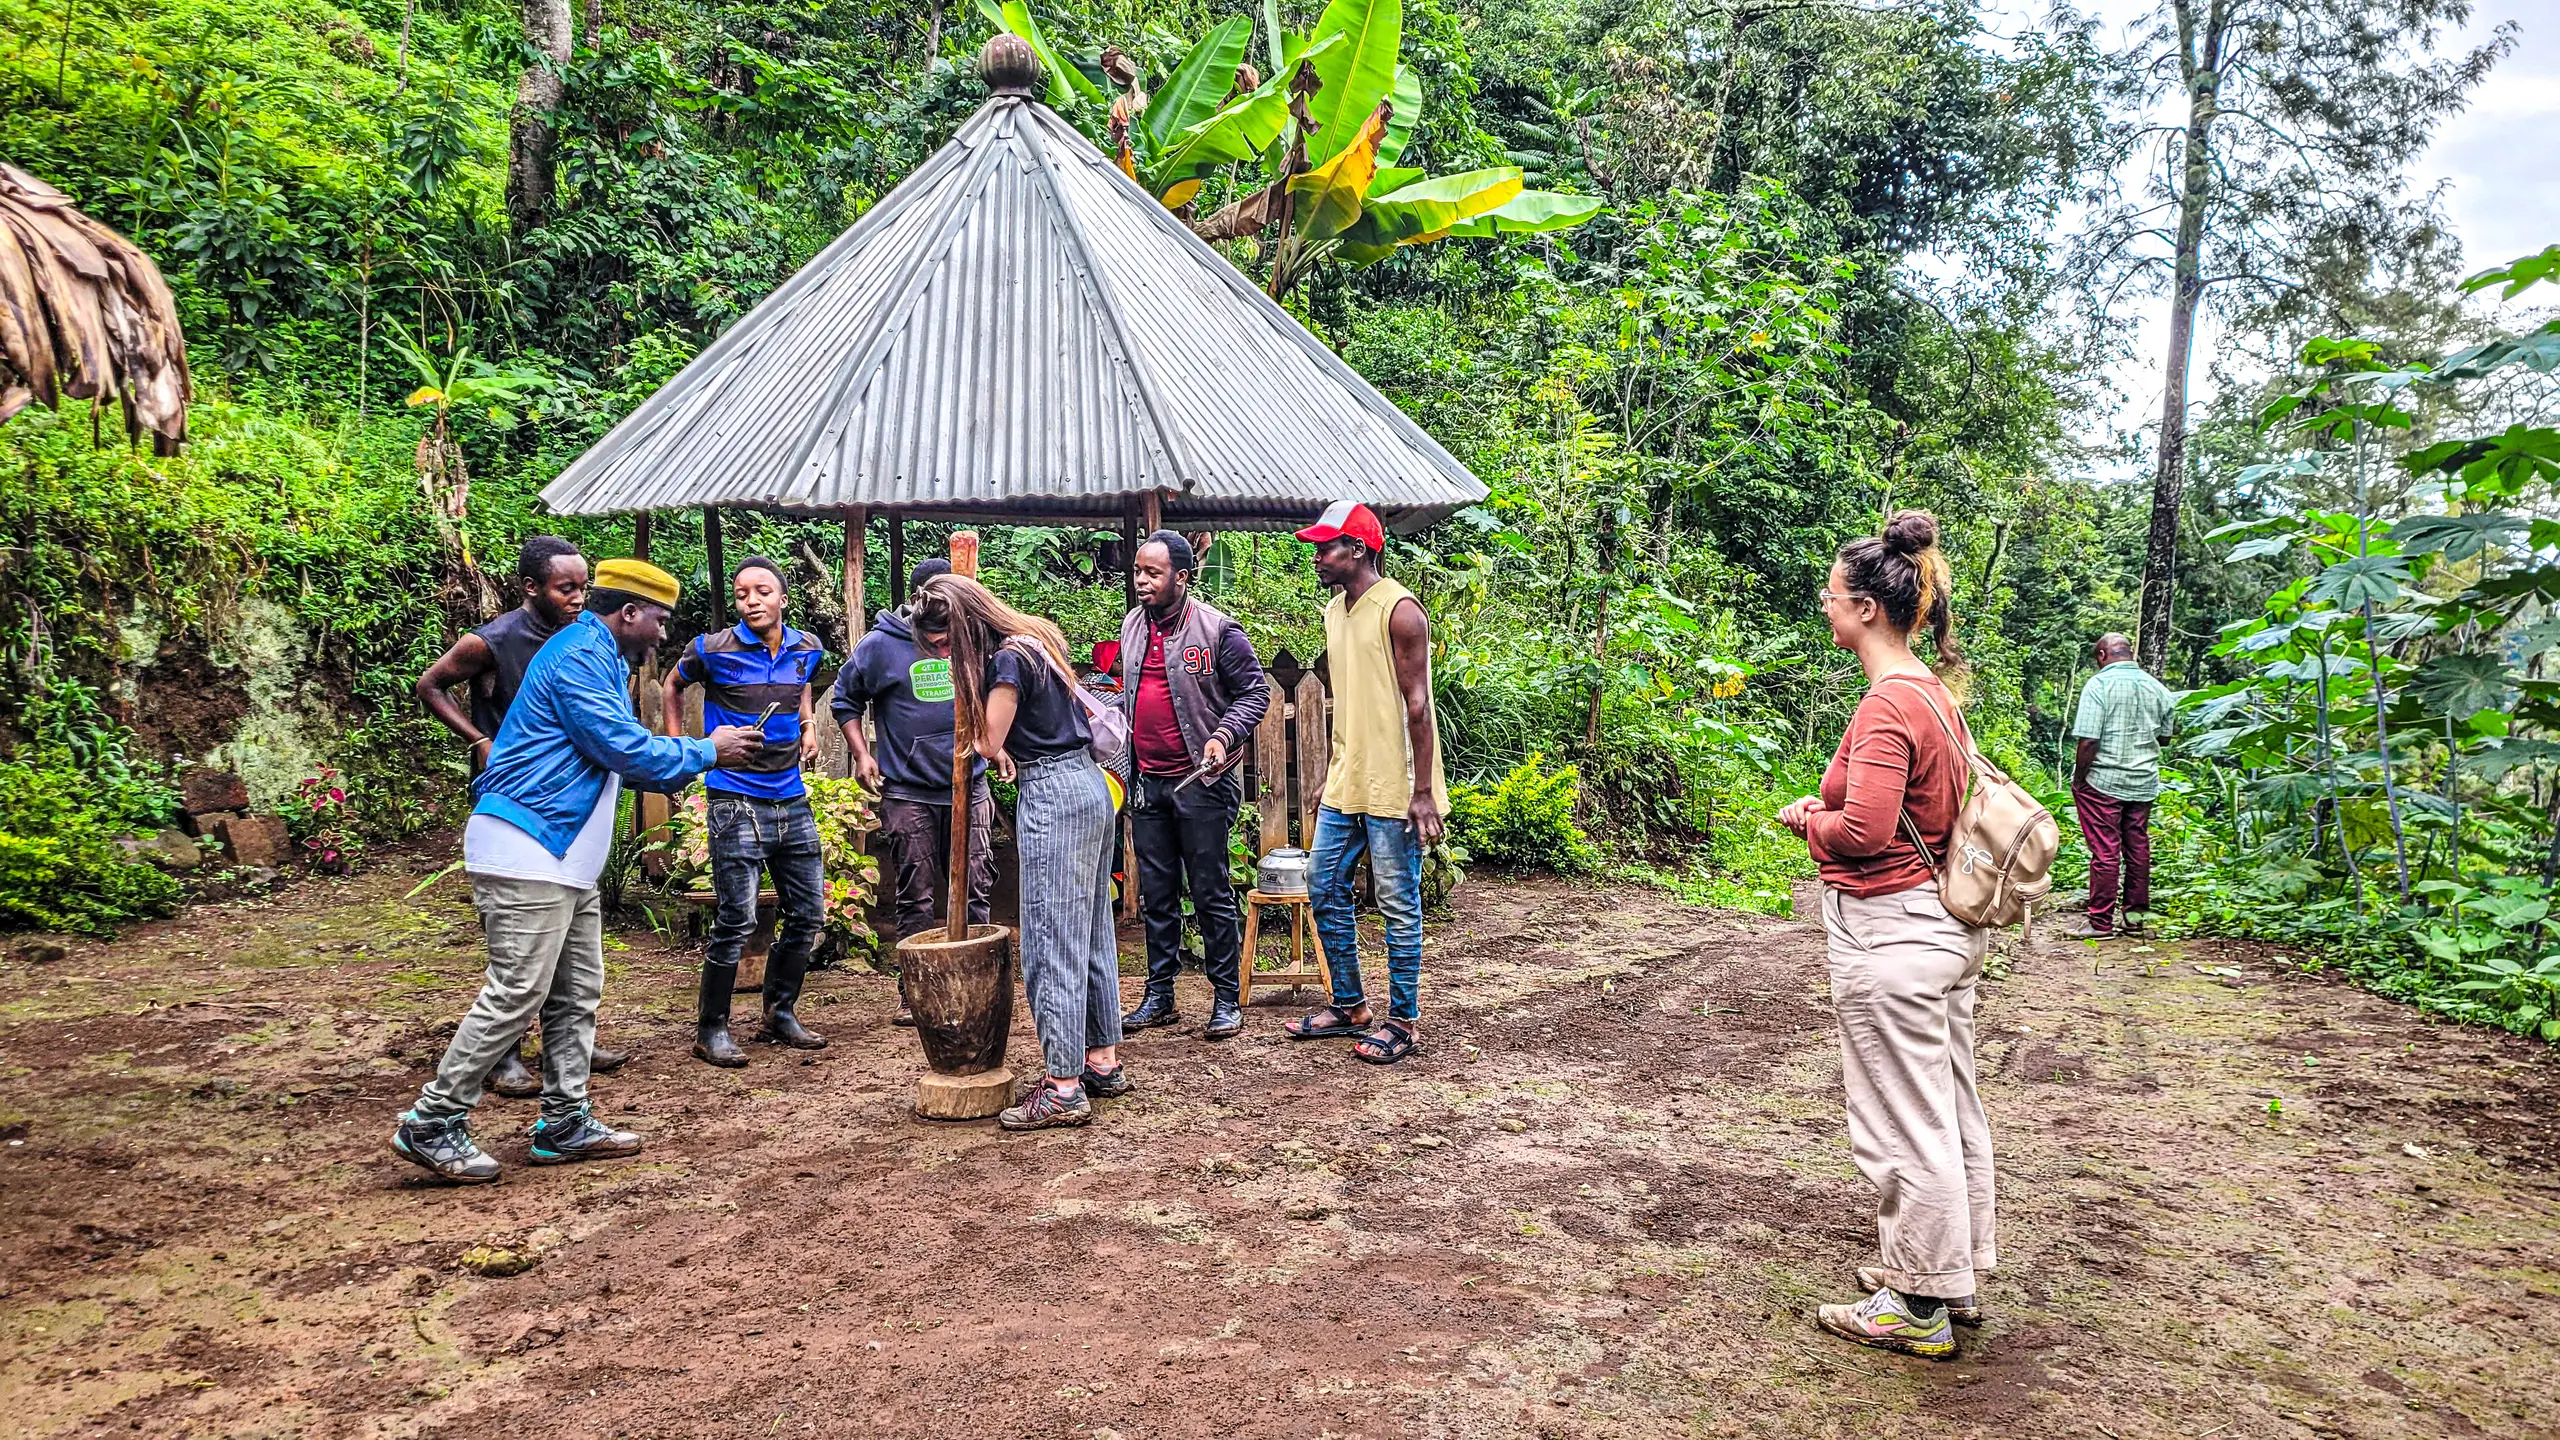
(2501, 157)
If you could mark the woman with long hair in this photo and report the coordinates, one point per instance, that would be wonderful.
(1903, 970)
(1015, 691)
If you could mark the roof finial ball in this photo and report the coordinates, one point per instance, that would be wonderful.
(1010, 66)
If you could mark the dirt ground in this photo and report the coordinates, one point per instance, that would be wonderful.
(1600, 1203)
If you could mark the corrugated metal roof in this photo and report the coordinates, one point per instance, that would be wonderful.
(1019, 330)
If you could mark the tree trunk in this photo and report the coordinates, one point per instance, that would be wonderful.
(529, 135)
(2169, 478)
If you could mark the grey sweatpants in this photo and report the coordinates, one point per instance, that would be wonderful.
(1903, 978)
(1070, 952)
(546, 960)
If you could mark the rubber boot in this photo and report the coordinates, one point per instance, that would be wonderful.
(711, 1042)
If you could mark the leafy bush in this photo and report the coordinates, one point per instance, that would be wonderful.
(1526, 821)
(60, 866)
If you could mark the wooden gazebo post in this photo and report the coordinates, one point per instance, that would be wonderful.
(857, 531)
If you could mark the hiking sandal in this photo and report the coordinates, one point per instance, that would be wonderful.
(1387, 1044)
(1329, 1023)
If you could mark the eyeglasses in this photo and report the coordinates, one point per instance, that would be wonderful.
(1829, 595)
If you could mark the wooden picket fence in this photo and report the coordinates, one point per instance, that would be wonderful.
(1284, 767)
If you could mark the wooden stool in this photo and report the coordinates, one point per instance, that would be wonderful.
(1302, 938)
(759, 945)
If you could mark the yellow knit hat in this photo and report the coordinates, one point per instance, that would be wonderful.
(637, 577)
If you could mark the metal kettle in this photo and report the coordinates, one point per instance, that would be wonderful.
(1282, 872)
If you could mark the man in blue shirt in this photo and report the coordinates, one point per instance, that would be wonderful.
(538, 836)
(759, 809)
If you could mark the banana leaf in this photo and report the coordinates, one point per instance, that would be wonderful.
(1407, 98)
(1241, 130)
(1326, 200)
(1392, 178)
(1356, 75)
(1425, 210)
(1531, 212)
(1199, 84)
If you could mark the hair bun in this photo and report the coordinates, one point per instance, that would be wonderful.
(1910, 531)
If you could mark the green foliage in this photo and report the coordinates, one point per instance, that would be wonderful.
(66, 799)
(1525, 820)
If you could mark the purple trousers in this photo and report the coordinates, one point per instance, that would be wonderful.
(2119, 834)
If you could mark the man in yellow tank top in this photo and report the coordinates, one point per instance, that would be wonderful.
(1384, 793)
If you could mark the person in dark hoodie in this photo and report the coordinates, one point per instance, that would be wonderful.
(905, 687)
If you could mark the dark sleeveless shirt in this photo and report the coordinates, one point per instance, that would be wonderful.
(513, 640)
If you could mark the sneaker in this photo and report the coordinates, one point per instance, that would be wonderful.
(1883, 1320)
(1045, 1107)
(1967, 1311)
(1108, 1084)
(580, 1136)
(444, 1146)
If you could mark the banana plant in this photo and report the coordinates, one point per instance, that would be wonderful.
(1309, 150)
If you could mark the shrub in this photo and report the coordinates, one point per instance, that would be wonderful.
(60, 865)
(1526, 821)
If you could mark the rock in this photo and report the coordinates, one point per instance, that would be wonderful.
(38, 950)
(1510, 1126)
(1306, 1208)
(172, 850)
(202, 826)
(254, 840)
(1428, 1142)
(202, 788)
(496, 1262)
(262, 875)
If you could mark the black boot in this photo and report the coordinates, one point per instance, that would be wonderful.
(711, 1042)
(605, 1062)
(712, 1046)
(781, 1027)
(1157, 1009)
(513, 1078)
(1226, 1018)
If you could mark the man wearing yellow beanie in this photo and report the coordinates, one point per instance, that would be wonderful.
(540, 829)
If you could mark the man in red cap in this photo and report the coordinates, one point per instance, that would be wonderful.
(1384, 793)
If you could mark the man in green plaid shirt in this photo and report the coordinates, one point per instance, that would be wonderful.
(2124, 717)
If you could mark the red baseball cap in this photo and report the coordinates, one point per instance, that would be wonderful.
(1351, 518)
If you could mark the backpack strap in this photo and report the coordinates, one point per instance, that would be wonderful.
(1964, 752)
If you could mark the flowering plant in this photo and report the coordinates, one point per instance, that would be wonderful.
(317, 819)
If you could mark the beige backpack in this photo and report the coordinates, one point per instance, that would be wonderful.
(2000, 854)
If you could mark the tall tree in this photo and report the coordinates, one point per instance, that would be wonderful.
(529, 133)
(2262, 140)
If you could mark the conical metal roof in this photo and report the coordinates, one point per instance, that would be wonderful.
(1019, 332)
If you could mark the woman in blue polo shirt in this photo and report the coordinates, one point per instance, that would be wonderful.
(759, 811)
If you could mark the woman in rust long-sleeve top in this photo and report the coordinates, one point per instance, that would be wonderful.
(1903, 971)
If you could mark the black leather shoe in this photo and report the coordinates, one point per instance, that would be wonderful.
(515, 1079)
(712, 1046)
(1157, 1009)
(605, 1062)
(1226, 1017)
(781, 1027)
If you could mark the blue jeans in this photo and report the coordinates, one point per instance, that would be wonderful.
(748, 836)
(1395, 860)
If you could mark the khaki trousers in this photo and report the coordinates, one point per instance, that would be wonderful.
(1903, 979)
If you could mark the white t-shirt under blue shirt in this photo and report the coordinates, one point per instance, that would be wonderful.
(491, 846)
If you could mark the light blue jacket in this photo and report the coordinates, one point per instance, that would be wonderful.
(572, 723)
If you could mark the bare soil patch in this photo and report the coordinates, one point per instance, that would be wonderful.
(1599, 1202)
